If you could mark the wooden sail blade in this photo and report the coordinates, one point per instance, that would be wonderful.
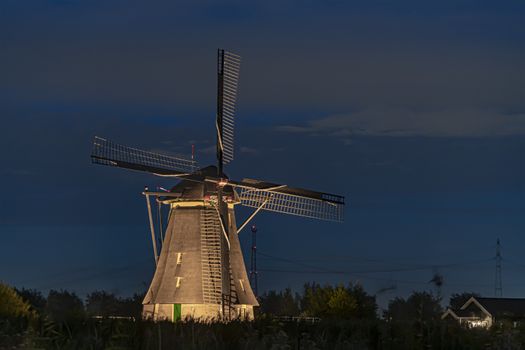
(109, 153)
(289, 200)
(228, 81)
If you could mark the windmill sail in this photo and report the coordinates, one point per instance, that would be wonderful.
(289, 200)
(227, 84)
(109, 153)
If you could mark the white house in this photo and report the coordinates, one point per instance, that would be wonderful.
(485, 312)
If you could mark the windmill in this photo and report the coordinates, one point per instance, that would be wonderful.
(200, 271)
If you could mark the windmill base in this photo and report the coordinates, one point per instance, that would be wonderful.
(196, 312)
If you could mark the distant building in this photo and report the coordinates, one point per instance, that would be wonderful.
(486, 312)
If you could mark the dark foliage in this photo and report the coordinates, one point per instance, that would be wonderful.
(34, 298)
(338, 302)
(457, 300)
(350, 322)
(16, 317)
(283, 303)
(419, 307)
(104, 304)
(63, 305)
(267, 333)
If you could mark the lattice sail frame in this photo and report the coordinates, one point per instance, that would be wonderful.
(293, 204)
(228, 72)
(109, 153)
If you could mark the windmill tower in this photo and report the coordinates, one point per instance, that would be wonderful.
(200, 271)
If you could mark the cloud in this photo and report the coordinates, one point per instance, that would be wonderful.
(405, 122)
(294, 128)
(123, 56)
(248, 150)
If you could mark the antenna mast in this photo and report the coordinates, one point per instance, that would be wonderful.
(498, 289)
(253, 260)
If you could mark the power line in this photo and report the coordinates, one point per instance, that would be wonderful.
(365, 277)
(388, 270)
(362, 274)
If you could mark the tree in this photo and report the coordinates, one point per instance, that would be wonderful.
(63, 305)
(283, 303)
(34, 298)
(457, 300)
(16, 317)
(12, 305)
(341, 304)
(366, 304)
(101, 303)
(412, 321)
(420, 306)
(314, 301)
(350, 302)
(132, 306)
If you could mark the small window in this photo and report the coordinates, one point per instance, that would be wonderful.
(179, 258)
(178, 282)
(242, 285)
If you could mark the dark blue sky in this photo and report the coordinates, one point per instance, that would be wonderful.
(415, 111)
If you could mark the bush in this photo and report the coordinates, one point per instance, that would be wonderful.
(15, 317)
(12, 305)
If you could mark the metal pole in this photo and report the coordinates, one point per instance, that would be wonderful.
(253, 262)
(253, 214)
(498, 288)
(159, 214)
(152, 228)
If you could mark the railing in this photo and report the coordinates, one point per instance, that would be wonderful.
(306, 319)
